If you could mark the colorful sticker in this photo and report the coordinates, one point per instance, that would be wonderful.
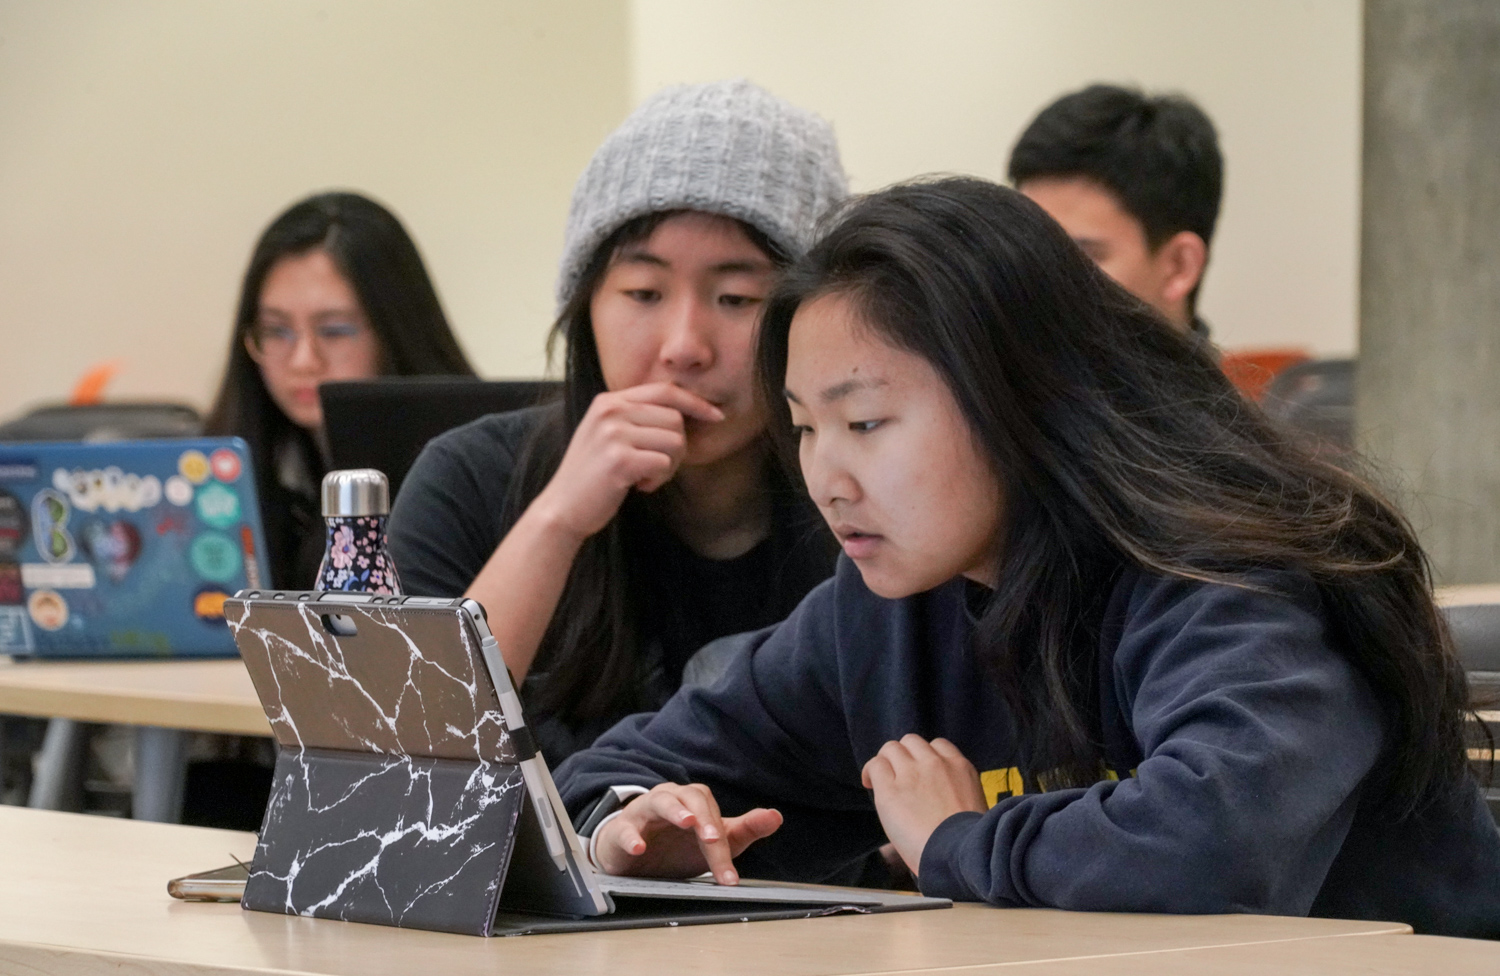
(110, 489)
(57, 576)
(218, 506)
(12, 593)
(179, 490)
(48, 609)
(226, 464)
(15, 631)
(215, 557)
(113, 547)
(49, 519)
(193, 466)
(13, 525)
(208, 604)
(17, 469)
(252, 568)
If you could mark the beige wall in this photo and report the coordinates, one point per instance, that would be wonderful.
(917, 86)
(144, 145)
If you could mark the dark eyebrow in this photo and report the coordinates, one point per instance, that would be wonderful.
(839, 390)
(742, 267)
(632, 256)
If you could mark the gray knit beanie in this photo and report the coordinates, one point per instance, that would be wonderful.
(729, 147)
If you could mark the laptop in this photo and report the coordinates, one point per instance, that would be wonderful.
(126, 548)
(385, 423)
(378, 700)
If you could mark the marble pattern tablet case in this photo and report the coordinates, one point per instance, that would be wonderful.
(397, 790)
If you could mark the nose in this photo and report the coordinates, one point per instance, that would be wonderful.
(688, 343)
(307, 355)
(829, 479)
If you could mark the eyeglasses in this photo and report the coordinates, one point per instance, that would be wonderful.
(331, 340)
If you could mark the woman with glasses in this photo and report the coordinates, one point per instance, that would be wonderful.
(335, 291)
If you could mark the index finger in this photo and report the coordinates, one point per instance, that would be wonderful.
(713, 836)
(671, 395)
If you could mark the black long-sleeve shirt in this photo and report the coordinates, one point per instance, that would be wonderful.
(452, 512)
(1239, 741)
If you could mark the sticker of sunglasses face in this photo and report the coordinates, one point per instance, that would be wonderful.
(49, 520)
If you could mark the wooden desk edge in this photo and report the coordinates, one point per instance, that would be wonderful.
(206, 715)
(40, 957)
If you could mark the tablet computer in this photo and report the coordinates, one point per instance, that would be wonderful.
(401, 730)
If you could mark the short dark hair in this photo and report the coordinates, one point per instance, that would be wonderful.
(1158, 154)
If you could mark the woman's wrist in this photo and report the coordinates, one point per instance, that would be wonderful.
(547, 521)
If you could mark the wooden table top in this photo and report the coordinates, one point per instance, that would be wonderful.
(206, 696)
(1381, 955)
(88, 894)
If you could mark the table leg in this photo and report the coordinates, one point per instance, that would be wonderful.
(160, 772)
(57, 777)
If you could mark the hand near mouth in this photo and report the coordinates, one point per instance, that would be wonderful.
(631, 438)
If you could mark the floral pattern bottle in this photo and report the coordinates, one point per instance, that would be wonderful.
(357, 558)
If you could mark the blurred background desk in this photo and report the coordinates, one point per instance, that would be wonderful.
(88, 894)
(162, 699)
(202, 696)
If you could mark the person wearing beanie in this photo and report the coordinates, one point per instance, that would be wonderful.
(613, 533)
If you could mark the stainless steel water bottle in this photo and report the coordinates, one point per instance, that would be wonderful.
(355, 506)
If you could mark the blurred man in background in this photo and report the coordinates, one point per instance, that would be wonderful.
(1136, 181)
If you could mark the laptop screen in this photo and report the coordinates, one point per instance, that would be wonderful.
(125, 549)
(385, 423)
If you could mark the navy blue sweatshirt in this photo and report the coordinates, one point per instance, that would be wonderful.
(1239, 739)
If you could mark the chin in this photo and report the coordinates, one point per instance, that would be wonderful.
(896, 584)
(886, 585)
(309, 420)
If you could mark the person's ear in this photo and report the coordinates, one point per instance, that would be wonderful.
(1183, 257)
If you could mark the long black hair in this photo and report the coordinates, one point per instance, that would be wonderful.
(377, 257)
(588, 662)
(1118, 441)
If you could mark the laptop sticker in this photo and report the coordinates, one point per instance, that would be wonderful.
(179, 490)
(215, 557)
(49, 519)
(218, 506)
(225, 464)
(15, 631)
(48, 610)
(193, 466)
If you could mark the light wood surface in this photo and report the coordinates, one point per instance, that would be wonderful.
(1381, 955)
(1467, 595)
(88, 895)
(206, 696)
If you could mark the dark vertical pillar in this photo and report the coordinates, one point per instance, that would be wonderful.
(1428, 404)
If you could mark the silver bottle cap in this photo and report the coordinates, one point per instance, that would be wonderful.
(355, 492)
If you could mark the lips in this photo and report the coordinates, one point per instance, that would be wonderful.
(857, 543)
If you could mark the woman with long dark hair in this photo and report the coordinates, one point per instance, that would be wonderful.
(335, 290)
(612, 535)
(1104, 637)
